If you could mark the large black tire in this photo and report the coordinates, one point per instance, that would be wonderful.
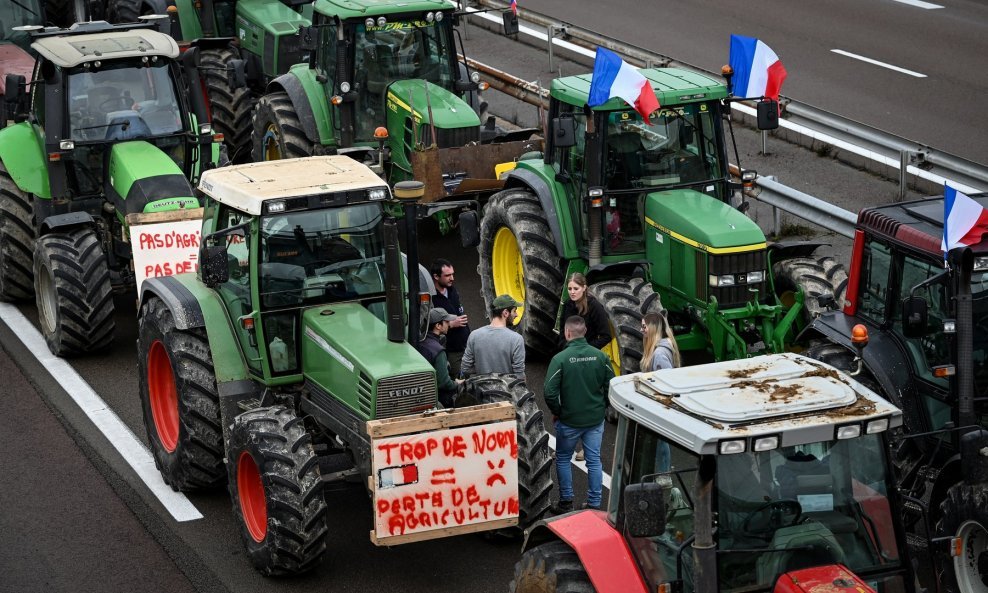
(276, 489)
(840, 357)
(16, 240)
(814, 276)
(60, 13)
(278, 134)
(552, 567)
(180, 401)
(73, 292)
(517, 257)
(232, 109)
(534, 460)
(964, 514)
(626, 302)
(125, 11)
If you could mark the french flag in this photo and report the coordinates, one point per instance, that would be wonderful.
(757, 70)
(514, 7)
(964, 220)
(613, 78)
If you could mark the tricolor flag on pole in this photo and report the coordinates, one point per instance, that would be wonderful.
(964, 220)
(757, 70)
(514, 7)
(613, 78)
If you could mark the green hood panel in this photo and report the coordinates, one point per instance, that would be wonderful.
(448, 110)
(142, 178)
(23, 155)
(130, 161)
(701, 218)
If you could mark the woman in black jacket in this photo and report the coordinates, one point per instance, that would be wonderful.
(582, 303)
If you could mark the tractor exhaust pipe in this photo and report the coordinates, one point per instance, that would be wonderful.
(409, 193)
(392, 277)
(964, 263)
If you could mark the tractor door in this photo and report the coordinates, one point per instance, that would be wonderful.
(570, 165)
(236, 292)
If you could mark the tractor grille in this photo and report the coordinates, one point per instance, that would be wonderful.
(452, 137)
(365, 394)
(405, 394)
(738, 264)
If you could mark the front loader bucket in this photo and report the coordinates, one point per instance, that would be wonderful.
(465, 170)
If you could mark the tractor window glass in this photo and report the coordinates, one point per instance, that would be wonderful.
(236, 292)
(122, 102)
(932, 349)
(326, 56)
(875, 272)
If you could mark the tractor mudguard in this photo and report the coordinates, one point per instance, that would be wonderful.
(309, 100)
(61, 222)
(538, 186)
(603, 552)
(23, 155)
(787, 249)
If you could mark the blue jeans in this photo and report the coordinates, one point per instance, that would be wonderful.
(566, 439)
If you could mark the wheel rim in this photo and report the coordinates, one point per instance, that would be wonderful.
(163, 396)
(973, 557)
(47, 299)
(613, 351)
(508, 270)
(272, 148)
(250, 490)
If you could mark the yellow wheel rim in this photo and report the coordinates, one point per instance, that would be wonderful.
(788, 299)
(612, 352)
(272, 149)
(507, 268)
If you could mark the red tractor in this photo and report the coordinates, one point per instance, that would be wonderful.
(763, 474)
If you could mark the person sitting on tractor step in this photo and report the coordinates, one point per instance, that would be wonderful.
(496, 348)
(433, 350)
(448, 298)
(575, 391)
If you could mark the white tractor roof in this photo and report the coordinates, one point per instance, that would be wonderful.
(246, 187)
(799, 399)
(71, 50)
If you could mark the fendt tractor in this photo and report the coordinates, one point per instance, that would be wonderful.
(110, 127)
(643, 208)
(926, 322)
(764, 474)
(290, 346)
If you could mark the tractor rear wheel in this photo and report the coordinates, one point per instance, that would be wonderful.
(626, 302)
(552, 567)
(16, 240)
(518, 258)
(180, 401)
(73, 292)
(964, 515)
(278, 133)
(60, 13)
(276, 489)
(534, 460)
(815, 277)
(232, 108)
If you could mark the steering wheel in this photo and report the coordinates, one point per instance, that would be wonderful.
(111, 104)
(780, 509)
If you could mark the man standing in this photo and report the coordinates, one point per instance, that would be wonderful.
(432, 349)
(496, 348)
(576, 392)
(447, 298)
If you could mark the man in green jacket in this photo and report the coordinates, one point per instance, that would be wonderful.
(576, 392)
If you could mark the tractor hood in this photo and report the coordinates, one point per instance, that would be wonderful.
(346, 353)
(142, 178)
(832, 578)
(416, 97)
(700, 220)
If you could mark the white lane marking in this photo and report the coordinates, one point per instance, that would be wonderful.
(106, 420)
(877, 63)
(581, 464)
(919, 4)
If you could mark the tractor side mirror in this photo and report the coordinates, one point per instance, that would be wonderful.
(15, 94)
(469, 229)
(644, 510)
(215, 265)
(915, 316)
(309, 38)
(236, 72)
(768, 114)
(510, 20)
(563, 132)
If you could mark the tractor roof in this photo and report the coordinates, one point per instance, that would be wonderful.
(918, 223)
(798, 399)
(672, 86)
(246, 187)
(73, 49)
(348, 9)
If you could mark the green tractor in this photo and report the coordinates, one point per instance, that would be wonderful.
(112, 126)
(290, 347)
(644, 209)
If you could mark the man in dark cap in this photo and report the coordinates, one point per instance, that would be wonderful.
(496, 348)
(434, 351)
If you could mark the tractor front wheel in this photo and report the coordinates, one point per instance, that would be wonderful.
(534, 460)
(626, 301)
(73, 292)
(278, 133)
(16, 240)
(964, 515)
(277, 491)
(553, 567)
(815, 277)
(518, 257)
(232, 108)
(180, 401)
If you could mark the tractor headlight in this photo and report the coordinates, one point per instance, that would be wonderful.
(278, 206)
(439, 17)
(722, 280)
(755, 277)
(765, 444)
(381, 21)
(344, 87)
(848, 431)
(377, 194)
(429, 17)
(731, 447)
(880, 425)
(369, 23)
(475, 76)
(981, 264)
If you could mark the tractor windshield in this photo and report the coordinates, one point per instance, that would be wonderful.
(677, 146)
(122, 101)
(803, 506)
(18, 13)
(322, 256)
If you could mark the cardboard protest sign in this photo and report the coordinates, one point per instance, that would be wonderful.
(165, 243)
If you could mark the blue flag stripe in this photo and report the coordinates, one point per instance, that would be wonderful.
(606, 66)
(741, 57)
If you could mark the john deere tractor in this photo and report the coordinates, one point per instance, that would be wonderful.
(294, 343)
(644, 209)
(110, 126)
